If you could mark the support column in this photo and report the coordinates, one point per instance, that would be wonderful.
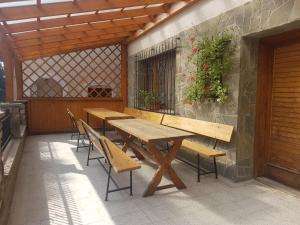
(124, 74)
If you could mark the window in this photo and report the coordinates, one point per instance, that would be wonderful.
(155, 80)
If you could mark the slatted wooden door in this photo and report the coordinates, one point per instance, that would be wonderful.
(283, 158)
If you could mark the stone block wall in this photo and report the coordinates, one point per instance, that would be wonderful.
(249, 22)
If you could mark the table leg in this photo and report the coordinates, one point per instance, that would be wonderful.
(127, 142)
(103, 127)
(164, 162)
(87, 118)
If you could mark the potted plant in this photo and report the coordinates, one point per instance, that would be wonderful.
(151, 101)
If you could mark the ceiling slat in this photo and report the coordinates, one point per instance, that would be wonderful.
(49, 23)
(70, 36)
(63, 8)
(80, 28)
(62, 43)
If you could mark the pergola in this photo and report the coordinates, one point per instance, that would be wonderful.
(36, 30)
(48, 27)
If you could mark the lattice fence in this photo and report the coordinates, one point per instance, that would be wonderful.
(88, 73)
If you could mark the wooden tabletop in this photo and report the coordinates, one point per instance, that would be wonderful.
(106, 114)
(149, 132)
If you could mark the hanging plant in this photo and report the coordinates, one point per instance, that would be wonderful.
(211, 59)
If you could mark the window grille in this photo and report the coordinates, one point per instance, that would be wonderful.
(87, 73)
(155, 78)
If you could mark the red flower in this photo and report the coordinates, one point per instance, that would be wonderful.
(205, 66)
(193, 78)
(193, 39)
(194, 50)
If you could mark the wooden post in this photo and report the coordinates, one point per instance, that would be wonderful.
(7, 56)
(124, 74)
(19, 81)
(9, 71)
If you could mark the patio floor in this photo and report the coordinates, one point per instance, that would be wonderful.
(54, 186)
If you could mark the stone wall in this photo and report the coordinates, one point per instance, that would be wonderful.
(248, 22)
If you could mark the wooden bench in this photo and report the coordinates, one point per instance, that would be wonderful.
(77, 130)
(145, 115)
(117, 160)
(132, 112)
(219, 132)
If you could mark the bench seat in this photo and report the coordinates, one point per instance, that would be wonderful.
(120, 161)
(201, 149)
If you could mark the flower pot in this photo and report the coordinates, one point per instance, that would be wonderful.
(155, 107)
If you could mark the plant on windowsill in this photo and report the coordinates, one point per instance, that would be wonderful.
(150, 100)
(211, 59)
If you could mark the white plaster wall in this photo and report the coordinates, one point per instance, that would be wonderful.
(198, 13)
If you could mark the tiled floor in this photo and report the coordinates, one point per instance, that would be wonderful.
(54, 186)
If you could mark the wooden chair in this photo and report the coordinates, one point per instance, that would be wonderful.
(219, 132)
(117, 160)
(77, 130)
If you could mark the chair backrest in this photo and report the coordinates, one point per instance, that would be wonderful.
(94, 138)
(214, 130)
(114, 155)
(132, 112)
(77, 126)
(152, 116)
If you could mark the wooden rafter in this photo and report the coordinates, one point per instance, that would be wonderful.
(170, 12)
(69, 36)
(66, 21)
(81, 28)
(63, 8)
(73, 42)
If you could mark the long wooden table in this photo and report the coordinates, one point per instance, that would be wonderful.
(153, 134)
(105, 115)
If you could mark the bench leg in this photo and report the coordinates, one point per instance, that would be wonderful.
(78, 142)
(198, 167)
(88, 158)
(130, 182)
(108, 180)
(216, 168)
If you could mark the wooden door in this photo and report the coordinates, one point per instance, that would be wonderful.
(283, 153)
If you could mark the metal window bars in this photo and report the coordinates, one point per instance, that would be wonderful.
(155, 77)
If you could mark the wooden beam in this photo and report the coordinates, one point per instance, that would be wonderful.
(72, 48)
(63, 8)
(73, 42)
(124, 74)
(80, 28)
(160, 20)
(19, 79)
(70, 36)
(72, 20)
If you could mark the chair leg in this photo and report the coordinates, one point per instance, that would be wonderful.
(108, 180)
(130, 182)
(78, 142)
(216, 168)
(198, 167)
(88, 159)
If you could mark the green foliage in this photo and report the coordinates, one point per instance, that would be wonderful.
(211, 59)
(149, 98)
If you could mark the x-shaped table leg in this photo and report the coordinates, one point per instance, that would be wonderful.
(164, 167)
